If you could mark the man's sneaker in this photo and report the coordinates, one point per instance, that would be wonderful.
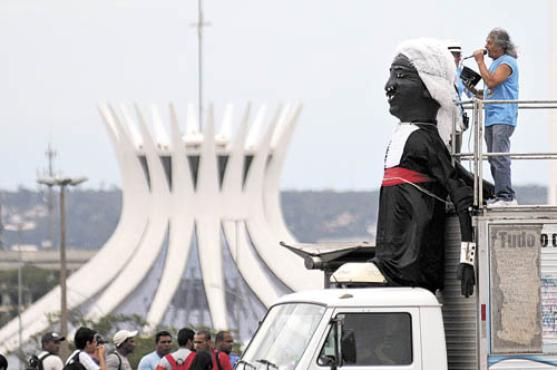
(490, 200)
(500, 202)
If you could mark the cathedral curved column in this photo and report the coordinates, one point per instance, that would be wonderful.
(150, 246)
(208, 225)
(279, 145)
(288, 267)
(181, 226)
(235, 201)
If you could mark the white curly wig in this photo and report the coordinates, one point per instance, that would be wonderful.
(436, 68)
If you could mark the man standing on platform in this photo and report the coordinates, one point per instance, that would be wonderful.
(500, 83)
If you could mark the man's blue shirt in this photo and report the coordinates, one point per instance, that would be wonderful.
(507, 90)
(149, 361)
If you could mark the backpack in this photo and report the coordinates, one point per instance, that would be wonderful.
(35, 362)
(217, 360)
(115, 353)
(73, 363)
(181, 365)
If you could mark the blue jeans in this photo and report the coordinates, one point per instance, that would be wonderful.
(497, 138)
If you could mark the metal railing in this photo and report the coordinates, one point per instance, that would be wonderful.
(478, 156)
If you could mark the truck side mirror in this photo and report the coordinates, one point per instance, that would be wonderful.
(327, 360)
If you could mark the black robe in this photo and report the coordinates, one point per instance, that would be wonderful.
(411, 220)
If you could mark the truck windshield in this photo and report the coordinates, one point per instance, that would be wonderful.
(283, 337)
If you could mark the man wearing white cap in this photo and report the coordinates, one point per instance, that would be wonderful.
(456, 51)
(461, 116)
(125, 344)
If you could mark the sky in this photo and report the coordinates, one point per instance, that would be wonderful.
(60, 58)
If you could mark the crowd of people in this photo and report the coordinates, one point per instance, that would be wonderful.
(196, 351)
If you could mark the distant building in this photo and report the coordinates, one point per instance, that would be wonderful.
(49, 260)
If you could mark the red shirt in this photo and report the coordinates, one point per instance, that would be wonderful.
(224, 361)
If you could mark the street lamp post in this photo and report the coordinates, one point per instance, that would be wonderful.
(62, 182)
(18, 226)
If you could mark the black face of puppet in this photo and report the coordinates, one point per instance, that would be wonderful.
(408, 97)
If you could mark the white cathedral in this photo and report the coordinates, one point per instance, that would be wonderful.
(198, 236)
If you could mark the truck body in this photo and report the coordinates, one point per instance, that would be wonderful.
(509, 323)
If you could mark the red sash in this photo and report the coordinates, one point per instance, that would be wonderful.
(399, 175)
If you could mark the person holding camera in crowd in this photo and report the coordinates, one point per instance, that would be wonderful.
(500, 83)
(89, 347)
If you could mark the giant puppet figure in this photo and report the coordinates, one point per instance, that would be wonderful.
(418, 177)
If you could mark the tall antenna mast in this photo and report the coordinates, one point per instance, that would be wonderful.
(200, 24)
(50, 155)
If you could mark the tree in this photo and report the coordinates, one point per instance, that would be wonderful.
(36, 282)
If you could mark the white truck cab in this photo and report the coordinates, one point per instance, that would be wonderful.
(383, 328)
